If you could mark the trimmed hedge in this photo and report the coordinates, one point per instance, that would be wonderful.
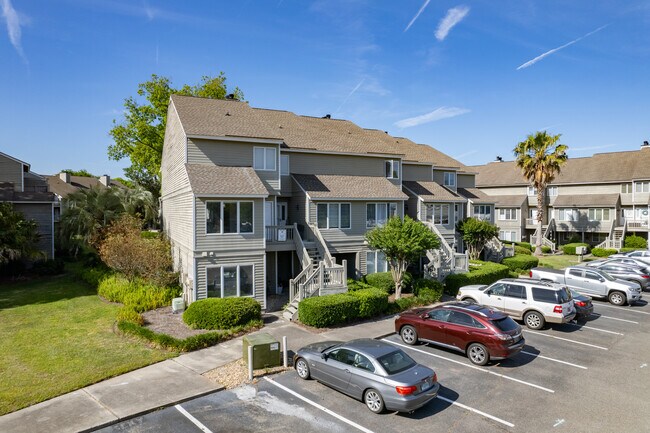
(522, 251)
(428, 290)
(546, 249)
(222, 313)
(634, 241)
(627, 250)
(136, 294)
(94, 275)
(354, 285)
(372, 302)
(603, 252)
(520, 262)
(384, 281)
(323, 311)
(480, 273)
(571, 248)
(526, 245)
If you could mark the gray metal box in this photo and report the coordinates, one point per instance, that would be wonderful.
(266, 350)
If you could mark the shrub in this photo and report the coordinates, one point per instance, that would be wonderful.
(94, 275)
(372, 302)
(480, 273)
(571, 248)
(546, 249)
(527, 245)
(520, 262)
(149, 235)
(384, 281)
(428, 291)
(634, 241)
(522, 251)
(48, 267)
(128, 314)
(603, 252)
(354, 285)
(136, 294)
(627, 250)
(574, 239)
(322, 311)
(222, 313)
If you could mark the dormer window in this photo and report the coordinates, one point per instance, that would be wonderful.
(450, 178)
(392, 169)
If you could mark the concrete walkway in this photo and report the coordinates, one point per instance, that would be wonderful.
(163, 384)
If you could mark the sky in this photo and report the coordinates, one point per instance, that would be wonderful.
(471, 79)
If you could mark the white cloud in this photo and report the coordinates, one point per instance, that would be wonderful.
(453, 17)
(434, 116)
(13, 26)
(424, 6)
(555, 50)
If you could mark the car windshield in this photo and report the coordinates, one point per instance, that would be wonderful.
(574, 294)
(506, 324)
(396, 362)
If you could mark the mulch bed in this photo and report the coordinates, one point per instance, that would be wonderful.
(163, 321)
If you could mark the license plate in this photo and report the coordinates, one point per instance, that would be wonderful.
(426, 385)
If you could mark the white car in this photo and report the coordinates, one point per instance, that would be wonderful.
(534, 302)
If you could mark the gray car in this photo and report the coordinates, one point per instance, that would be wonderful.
(377, 373)
(633, 274)
(627, 261)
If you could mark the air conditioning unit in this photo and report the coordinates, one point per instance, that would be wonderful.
(178, 305)
(581, 250)
(266, 350)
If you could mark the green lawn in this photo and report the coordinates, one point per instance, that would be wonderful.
(559, 261)
(56, 335)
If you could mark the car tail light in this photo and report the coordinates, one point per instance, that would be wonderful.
(645, 276)
(580, 304)
(530, 274)
(406, 390)
(557, 309)
(435, 378)
(504, 337)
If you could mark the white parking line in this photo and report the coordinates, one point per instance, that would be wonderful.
(625, 309)
(594, 329)
(566, 339)
(616, 318)
(552, 359)
(318, 406)
(470, 366)
(471, 409)
(195, 421)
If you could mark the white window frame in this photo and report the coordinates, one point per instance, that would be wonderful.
(642, 186)
(263, 167)
(388, 205)
(512, 234)
(627, 188)
(484, 216)
(564, 211)
(598, 214)
(238, 266)
(375, 261)
(457, 208)
(394, 168)
(238, 232)
(437, 217)
(449, 178)
(506, 214)
(532, 191)
(328, 204)
(552, 191)
(284, 167)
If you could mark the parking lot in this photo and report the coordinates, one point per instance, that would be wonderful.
(587, 377)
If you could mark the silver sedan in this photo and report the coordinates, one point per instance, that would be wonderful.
(377, 373)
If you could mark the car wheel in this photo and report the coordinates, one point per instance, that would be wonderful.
(617, 298)
(478, 354)
(409, 335)
(534, 320)
(470, 300)
(302, 368)
(374, 401)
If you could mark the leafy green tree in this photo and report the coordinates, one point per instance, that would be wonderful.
(402, 241)
(82, 173)
(476, 233)
(140, 135)
(18, 236)
(540, 159)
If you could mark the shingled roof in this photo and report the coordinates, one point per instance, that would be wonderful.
(62, 188)
(476, 196)
(509, 200)
(324, 186)
(432, 191)
(206, 179)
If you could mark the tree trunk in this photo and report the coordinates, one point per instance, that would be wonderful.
(540, 215)
(397, 273)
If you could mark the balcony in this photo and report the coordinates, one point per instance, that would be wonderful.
(637, 224)
(279, 238)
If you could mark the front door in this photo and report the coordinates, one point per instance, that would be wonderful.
(269, 218)
(282, 213)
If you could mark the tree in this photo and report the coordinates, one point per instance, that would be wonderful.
(476, 233)
(540, 159)
(82, 173)
(140, 135)
(402, 242)
(18, 236)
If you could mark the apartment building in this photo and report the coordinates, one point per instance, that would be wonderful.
(28, 192)
(599, 199)
(258, 201)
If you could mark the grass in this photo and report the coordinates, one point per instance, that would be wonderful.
(56, 335)
(559, 261)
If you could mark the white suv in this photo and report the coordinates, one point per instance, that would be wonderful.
(534, 302)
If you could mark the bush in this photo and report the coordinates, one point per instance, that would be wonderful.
(222, 313)
(94, 275)
(603, 252)
(372, 302)
(48, 267)
(136, 294)
(634, 241)
(384, 281)
(480, 273)
(322, 311)
(354, 285)
(571, 248)
(627, 250)
(128, 314)
(520, 262)
(574, 239)
(546, 250)
(522, 251)
(149, 235)
(428, 291)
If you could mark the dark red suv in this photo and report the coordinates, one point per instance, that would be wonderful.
(480, 332)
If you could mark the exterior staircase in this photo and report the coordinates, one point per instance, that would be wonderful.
(496, 251)
(548, 230)
(615, 239)
(444, 260)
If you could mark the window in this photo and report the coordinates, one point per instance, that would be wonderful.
(508, 235)
(264, 158)
(507, 214)
(483, 212)
(457, 212)
(438, 213)
(567, 214)
(552, 191)
(575, 272)
(450, 178)
(458, 318)
(558, 296)
(598, 214)
(441, 315)
(284, 165)
(376, 262)
(228, 217)
(626, 188)
(515, 291)
(498, 289)
(642, 186)
(396, 362)
(333, 215)
(532, 191)
(392, 169)
(598, 237)
(229, 281)
(378, 213)
(592, 276)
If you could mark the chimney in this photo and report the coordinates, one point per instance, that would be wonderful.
(327, 116)
(105, 180)
(499, 159)
(64, 177)
(645, 145)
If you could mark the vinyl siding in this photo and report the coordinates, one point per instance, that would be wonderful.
(297, 205)
(583, 223)
(230, 242)
(11, 171)
(309, 163)
(259, 274)
(183, 262)
(465, 180)
(172, 168)
(42, 214)
(177, 218)
(417, 172)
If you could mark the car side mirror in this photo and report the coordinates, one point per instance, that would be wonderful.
(424, 316)
(601, 279)
(488, 293)
(324, 356)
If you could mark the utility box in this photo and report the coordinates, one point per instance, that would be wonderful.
(581, 250)
(178, 305)
(266, 350)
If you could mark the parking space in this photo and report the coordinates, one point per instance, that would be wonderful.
(591, 376)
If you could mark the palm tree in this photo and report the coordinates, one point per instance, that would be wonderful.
(540, 158)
